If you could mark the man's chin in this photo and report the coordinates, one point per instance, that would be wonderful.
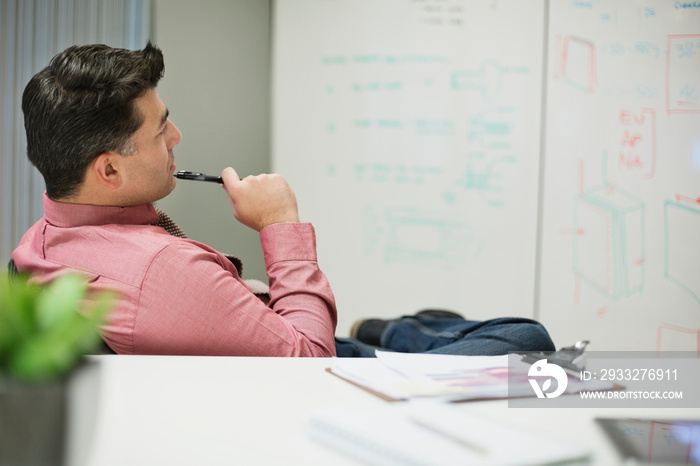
(163, 194)
(170, 190)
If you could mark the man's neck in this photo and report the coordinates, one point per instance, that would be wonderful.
(88, 196)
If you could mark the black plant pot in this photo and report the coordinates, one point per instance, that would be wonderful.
(36, 419)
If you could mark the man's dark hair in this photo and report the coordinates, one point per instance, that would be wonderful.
(81, 106)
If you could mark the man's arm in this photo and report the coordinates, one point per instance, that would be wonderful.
(193, 302)
(210, 309)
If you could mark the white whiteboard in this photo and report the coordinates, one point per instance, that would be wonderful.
(410, 133)
(621, 235)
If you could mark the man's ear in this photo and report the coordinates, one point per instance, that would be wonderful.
(106, 170)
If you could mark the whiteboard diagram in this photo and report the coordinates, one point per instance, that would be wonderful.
(423, 133)
(609, 251)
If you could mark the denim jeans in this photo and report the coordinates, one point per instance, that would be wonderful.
(453, 336)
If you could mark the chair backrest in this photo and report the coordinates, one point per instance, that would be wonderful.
(12, 268)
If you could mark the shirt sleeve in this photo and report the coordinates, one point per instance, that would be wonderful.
(193, 302)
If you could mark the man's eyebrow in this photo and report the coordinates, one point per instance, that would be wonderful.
(165, 117)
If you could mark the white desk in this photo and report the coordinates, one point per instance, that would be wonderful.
(156, 410)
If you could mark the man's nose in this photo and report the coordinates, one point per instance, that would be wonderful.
(175, 138)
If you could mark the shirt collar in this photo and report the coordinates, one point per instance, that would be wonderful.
(63, 214)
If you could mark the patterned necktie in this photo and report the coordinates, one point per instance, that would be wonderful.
(165, 222)
(256, 286)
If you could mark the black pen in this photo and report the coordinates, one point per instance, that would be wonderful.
(185, 175)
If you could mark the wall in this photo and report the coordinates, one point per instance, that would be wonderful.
(222, 46)
(216, 86)
(30, 34)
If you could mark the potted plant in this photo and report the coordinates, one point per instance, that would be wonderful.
(45, 331)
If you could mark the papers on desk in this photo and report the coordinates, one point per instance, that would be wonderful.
(428, 431)
(434, 434)
(402, 376)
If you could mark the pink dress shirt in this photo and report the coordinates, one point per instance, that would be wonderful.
(178, 296)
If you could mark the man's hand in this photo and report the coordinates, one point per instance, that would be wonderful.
(259, 201)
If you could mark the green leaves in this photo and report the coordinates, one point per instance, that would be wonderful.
(43, 331)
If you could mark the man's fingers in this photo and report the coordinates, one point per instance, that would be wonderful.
(230, 176)
(259, 201)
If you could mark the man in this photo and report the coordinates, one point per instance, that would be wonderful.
(100, 135)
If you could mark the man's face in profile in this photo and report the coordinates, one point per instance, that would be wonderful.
(147, 174)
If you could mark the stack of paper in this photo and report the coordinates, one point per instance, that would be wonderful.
(402, 376)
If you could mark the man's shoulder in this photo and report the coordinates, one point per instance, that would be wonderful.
(134, 243)
(121, 252)
(138, 244)
(116, 236)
